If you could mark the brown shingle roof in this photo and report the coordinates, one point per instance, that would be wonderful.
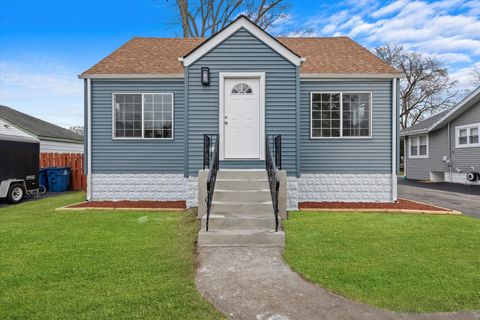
(337, 55)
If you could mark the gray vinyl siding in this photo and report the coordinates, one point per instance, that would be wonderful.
(419, 168)
(465, 158)
(242, 52)
(461, 158)
(344, 155)
(136, 155)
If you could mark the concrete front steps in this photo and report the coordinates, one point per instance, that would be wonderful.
(242, 212)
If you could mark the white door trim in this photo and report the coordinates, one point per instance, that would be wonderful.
(221, 99)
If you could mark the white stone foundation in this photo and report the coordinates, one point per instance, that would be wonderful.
(344, 188)
(158, 187)
(192, 192)
(292, 193)
(459, 178)
(309, 187)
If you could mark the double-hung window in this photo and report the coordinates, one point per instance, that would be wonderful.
(418, 146)
(467, 136)
(143, 115)
(340, 115)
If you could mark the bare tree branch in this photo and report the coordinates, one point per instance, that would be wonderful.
(426, 89)
(476, 75)
(202, 18)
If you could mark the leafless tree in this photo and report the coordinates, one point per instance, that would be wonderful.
(426, 88)
(476, 75)
(202, 18)
(77, 129)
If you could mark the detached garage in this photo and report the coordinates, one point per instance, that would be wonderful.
(52, 138)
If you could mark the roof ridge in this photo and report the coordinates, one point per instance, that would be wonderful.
(373, 54)
(294, 37)
(169, 38)
(106, 57)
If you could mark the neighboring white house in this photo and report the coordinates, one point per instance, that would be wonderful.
(52, 137)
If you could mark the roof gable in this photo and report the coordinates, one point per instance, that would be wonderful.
(241, 22)
(439, 120)
(38, 127)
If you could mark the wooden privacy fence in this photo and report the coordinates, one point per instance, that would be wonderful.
(78, 180)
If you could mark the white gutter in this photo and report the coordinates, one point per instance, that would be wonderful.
(394, 140)
(89, 140)
(303, 76)
(415, 132)
(320, 76)
(132, 76)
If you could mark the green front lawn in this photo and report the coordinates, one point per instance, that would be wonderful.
(401, 262)
(97, 264)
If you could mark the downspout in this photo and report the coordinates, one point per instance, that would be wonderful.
(297, 123)
(449, 163)
(405, 150)
(89, 140)
(185, 117)
(394, 140)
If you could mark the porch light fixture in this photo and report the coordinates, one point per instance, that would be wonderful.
(205, 76)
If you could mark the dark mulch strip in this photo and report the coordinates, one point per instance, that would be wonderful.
(401, 204)
(132, 204)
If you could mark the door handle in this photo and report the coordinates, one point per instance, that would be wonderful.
(226, 122)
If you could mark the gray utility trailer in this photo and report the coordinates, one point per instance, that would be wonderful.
(19, 167)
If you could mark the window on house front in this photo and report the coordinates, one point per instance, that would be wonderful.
(419, 146)
(337, 115)
(467, 136)
(147, 115)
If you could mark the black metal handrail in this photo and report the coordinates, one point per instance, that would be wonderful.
(271, 165)
(213, 166)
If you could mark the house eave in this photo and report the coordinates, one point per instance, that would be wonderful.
(415, 132)
(463, 105)
(316, 76)
(132, 76)
(42, 138)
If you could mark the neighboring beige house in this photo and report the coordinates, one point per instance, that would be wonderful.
(52, 138)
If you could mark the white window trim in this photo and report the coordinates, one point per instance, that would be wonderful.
(370, 129)
(143, 132)
(418, 156)
(468, 127)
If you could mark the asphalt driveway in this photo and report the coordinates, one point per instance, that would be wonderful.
(4, 204)
(449, 195)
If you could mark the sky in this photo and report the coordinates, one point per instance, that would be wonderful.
(45, 44)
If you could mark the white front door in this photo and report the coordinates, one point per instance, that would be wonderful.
(242, 116)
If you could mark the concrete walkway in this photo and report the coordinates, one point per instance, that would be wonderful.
(256, 284)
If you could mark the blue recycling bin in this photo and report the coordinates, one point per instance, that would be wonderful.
(58, 179)
(42, 178)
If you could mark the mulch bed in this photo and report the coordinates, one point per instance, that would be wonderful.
(132, 204)
(402, 204)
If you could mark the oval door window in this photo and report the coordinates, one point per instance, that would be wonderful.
(241, 88)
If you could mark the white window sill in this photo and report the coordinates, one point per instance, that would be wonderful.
(418, 157)
(462, 146)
